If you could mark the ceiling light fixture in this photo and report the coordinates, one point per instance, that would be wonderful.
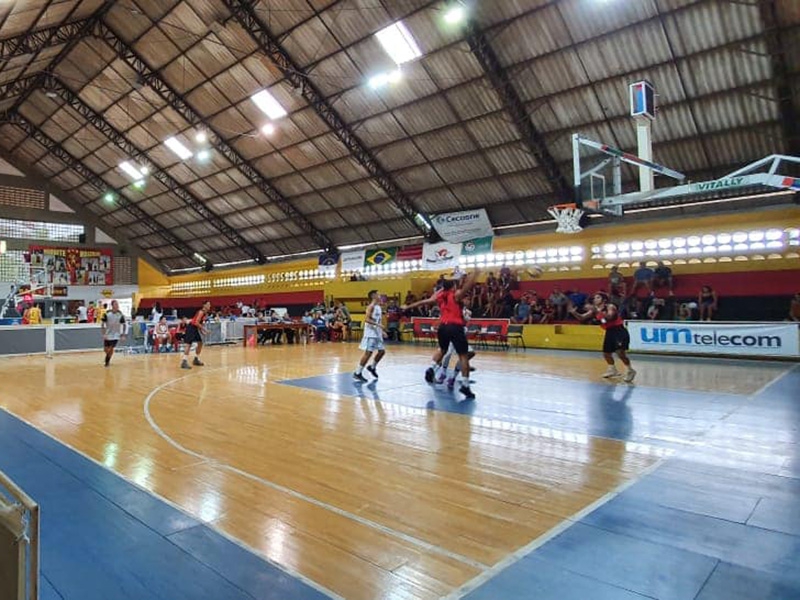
(178, 148)
(201, 137)
(203, 155)
(268, 129)
(455, 15)
(130, 170)
(268, 105)
(398, 43)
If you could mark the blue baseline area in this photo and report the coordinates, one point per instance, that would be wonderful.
(103, 538)
(667, 418)
(705, 525)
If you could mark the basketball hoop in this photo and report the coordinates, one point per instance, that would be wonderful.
(568, 217)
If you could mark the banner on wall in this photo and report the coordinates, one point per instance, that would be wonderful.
(741, 339)
(440, 256)
(353, 260)
(381, 256)
(74, 266)
(410, 252)
(477, 246)
(463, 226)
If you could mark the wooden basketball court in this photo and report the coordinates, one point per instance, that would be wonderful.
(391, 489)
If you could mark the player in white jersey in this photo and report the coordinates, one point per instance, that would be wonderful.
(372, 341)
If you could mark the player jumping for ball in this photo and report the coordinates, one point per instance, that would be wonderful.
(616, 338)
(451, 329)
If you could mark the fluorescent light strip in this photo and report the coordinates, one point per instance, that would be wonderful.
(234, 263)
(398, 43)
(131, 171)
(178, 148)
(268, 105)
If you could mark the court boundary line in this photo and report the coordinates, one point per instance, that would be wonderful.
(769, 384)
(528, 549)
(201, 522)
(419, 543)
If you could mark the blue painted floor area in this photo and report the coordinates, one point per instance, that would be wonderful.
(668, 418)
(103, 538)
(719, 521)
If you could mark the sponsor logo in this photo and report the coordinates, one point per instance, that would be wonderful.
(469, 246)
(682, 336)
(719, 184)
(442, 219)
(441, 255)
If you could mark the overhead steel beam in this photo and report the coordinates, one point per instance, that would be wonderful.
(153, 80)
(96, 182)
(53, 84)
(781, 73)
(245, 14)
(31, 42)
(515, 107)
(81, 213)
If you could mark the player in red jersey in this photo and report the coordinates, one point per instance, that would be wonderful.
(451, 329)
(616, 339)
(195, 330)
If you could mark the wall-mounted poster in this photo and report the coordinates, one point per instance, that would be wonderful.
(74, 266)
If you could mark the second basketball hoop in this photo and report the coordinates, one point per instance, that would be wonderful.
(567, 216)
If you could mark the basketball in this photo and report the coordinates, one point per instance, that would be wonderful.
(535, 271)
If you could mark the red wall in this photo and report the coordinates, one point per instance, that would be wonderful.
(271, 300)
(748, 283)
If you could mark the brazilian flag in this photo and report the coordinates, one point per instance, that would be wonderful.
(381, 256)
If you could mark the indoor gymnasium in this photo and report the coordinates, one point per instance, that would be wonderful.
(399, 299)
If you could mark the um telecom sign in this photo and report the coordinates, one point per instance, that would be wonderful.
(719, 184)
(738, 339)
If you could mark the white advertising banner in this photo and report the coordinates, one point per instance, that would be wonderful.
(441, 256)
(353, 260)
(463, 226)
(740, 339)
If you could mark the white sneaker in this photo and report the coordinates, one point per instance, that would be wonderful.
(629, 375)
(611, 372)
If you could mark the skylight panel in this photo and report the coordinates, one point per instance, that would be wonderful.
(131, 171)
(182, 151)
(398, 43)
(268, 105)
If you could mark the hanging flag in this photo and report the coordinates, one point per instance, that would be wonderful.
(353, 260)
(463, 226)
(410, 252)
(328, 261)
(381, 256)
(477, 246)
(441, 256)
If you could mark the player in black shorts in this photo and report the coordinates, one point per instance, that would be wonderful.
(616, 340)
(194, 334)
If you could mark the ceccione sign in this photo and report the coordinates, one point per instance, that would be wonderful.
(736, 339)
(463, 226)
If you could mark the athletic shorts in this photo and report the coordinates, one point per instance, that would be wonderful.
(110, 343)
(616, 338)
(192, 335)
(371, 344)
(453, 334)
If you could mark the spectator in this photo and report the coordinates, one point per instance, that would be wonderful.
(32, 315)
(684, 312)
(548, 312)
(155, 314)
(577, 300)
(643, 277)
(320, 326)
(82, 313)
(558, 301)
(794, 308)
(616, 283)
(707, 300)
(663, 276)
(657, 310)
(522, 312)
(161, 335)
(393, 315)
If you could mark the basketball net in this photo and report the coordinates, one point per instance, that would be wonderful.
(567, 216)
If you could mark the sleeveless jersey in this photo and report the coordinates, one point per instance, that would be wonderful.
(449, 308)
(609, 323)
(371, 331)
(198, 319)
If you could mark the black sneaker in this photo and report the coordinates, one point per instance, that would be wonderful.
(373, 370)
(185, 365)
(197, 362)
(359, 377)
(468, 393)
(471, 354)
(429, 375)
